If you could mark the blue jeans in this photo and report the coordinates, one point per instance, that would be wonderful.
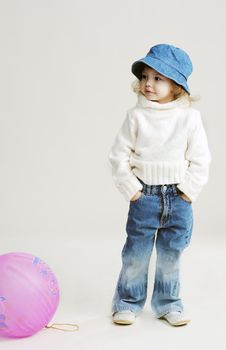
(161, 217)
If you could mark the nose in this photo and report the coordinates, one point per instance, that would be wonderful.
(149, 82)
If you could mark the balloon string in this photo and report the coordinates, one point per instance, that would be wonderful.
(70, 327)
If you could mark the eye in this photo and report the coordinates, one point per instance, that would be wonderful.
(143, 76)
(157, 78)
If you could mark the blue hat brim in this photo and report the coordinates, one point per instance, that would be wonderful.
(161, 67)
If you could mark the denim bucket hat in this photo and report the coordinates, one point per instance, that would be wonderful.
(168, 60)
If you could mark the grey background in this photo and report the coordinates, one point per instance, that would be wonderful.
(65, 89)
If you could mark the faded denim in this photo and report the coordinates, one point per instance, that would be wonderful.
(162, 218)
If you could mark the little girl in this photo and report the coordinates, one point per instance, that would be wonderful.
(160, 162)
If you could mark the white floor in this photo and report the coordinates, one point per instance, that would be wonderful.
(87, 279)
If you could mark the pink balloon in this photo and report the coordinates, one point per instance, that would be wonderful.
(29, 294)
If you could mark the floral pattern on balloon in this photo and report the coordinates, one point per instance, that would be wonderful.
(3, 324)
(47, 274)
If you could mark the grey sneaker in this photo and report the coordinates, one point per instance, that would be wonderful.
(176, 318)
(124, 317)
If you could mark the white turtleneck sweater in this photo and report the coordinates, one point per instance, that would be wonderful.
(161, 144)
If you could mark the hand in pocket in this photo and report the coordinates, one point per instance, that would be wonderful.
(136, 196)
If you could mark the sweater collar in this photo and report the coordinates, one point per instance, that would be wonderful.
(142, 101)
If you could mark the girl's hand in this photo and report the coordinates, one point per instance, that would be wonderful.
(185, 197)
(136, 196)
(182, 195)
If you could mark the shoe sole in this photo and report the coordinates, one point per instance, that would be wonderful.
(176, 324)
(180, 323)
(123, 322)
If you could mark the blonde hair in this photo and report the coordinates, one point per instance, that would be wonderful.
(178, 91)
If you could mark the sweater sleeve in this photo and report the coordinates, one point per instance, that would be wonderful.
(119, 157)
(199, 158)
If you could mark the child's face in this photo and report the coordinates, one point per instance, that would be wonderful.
(156, 87)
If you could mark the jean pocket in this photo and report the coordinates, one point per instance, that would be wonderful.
(179, 193)
(184, 200)
(138, 199)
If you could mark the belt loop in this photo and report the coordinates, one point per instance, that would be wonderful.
(148, 190)
(153, 189)
(144, 188)
(175, 189)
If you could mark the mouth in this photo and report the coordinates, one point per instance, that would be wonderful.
(149, 92)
